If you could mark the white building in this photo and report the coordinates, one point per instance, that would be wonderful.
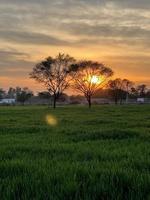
(7, 101)
(140, 100)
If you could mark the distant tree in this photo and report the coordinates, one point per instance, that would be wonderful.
(89, 77)
(54, 74)
(142, 89)
(120, 89)
(116, 89)
(101, 93)
(127, 85)
(23, 95)
(133, 92)
(63, 97)
(76, 99)
(2, 93)
(44, 95)
(148, 93)
(11, 92)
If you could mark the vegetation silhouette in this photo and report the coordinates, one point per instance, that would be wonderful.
(89, 76)
(53, 73)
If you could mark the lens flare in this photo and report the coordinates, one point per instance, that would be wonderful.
(51, 120)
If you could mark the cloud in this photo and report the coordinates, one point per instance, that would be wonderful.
(117, 29)
(136, 4)
(11, 53)
(14, 63)
(107, 30)
(10, 56)
(128, 3)
(31, 38)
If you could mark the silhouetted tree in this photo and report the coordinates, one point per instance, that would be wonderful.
(133, 92)
(11, 92)
(76, 99)
(148, 93)
(142, 89)
(63, 97)
(120, 89)
(44, 95)
(2, 93)
(54, 74)
(116, 89)
(23, 95)
(89, 77)
(126, 86)
(101, 93)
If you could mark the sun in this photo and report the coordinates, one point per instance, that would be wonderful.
(95, 80)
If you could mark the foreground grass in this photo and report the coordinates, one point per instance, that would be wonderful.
(78, 154)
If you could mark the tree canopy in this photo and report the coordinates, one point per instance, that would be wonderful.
(53, 73)
(89, 76)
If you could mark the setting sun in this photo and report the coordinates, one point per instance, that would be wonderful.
(95, 80)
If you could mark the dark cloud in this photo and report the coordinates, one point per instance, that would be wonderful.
(143, 4)
(83, 19)
(13, 62)
(107, 30)
(11, 56)
(30, 38)
(140, 4)
(11, 53)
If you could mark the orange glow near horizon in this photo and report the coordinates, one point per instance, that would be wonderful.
(123, 65)
(115, 33)
(9, 81)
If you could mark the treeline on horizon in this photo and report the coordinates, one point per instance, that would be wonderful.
(91, 79)
(116, 95)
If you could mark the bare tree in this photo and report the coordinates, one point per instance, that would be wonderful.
(127, 85)
(22, 95)
(116, 88)
(120, 89)
(2, 93)
(54, 74)
(11, 92)
(89, 76)
(142, 89)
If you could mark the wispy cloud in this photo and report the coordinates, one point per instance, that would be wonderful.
(31, 38)
(113, 30)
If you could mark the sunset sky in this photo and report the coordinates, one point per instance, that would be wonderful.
(115, 32)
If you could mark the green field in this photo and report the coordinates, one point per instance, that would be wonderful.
(73, 153)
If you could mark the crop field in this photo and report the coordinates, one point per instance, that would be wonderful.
(75, 153)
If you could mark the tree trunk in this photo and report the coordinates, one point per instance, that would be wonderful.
(116, 100)
(54, 102)
(121, 100)
(115, 96)
(89, 101)
(121, 97)
(127, 98)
